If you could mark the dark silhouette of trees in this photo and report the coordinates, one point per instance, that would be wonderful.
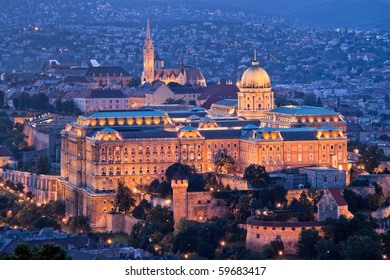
(256, 175)
(124, 198)
(43, 165)
(225, 164)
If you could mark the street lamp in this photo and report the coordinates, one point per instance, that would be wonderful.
(223, 243)
(280, 253)
(109, 241)
(186, 256)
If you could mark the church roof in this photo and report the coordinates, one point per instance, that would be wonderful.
(303, 110)
(193, 74)
(104, 71)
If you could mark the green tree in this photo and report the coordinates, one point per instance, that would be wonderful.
(124, 198)
(225, 164)
(360, 247)
(46, 252)
(307, 244)
(162, 217)
(79, 224)
(256, 175)
(174, 101)
(141, 209)
(23, 252)
(307, 208)
(52, 252)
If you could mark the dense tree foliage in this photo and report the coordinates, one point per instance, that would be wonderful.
(343, 239)
(42, 165)
(124, 198)
(307, 244)
(204, 238)
(46, 252)
(225, 164)
(256, 175)
(79, 224)
(12, 135)
(142, 209)
(154, 232)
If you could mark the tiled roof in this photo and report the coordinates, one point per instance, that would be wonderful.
(338, 197)
(104, 71)
(215, 93)
(103, 93)
(290, 134)
(303, 110)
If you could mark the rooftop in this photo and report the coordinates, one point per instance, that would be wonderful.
(126, 114)
(303, 110)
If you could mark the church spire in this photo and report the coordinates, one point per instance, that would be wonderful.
(147, 31)
(148, 51)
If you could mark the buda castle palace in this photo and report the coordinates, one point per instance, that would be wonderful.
(137, 146)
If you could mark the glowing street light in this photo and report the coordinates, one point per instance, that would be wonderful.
(280, 253)
(223, 243)
(384, 257)
(109, 241)
(186, 256)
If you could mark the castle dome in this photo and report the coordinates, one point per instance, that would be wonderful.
(255, 77)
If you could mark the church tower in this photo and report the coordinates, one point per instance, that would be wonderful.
(148, 51)
(179, 183)
(255, 96)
